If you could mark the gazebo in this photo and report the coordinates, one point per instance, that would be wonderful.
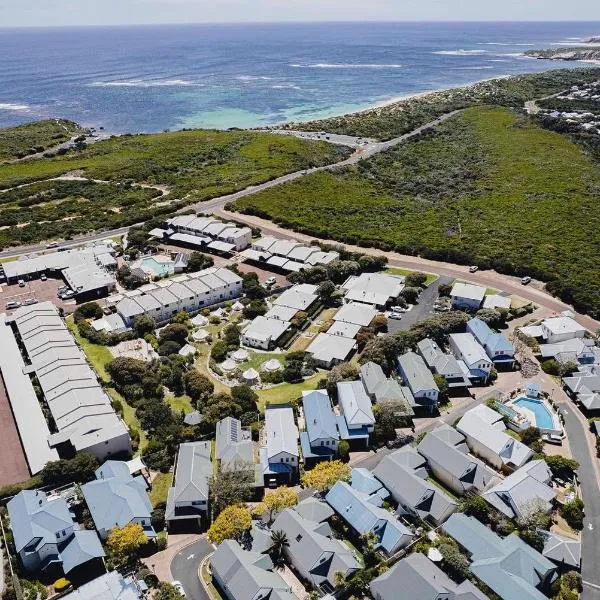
(240, 355)
(228, 365)
(250, 376)
(200, 335)
(271, 365)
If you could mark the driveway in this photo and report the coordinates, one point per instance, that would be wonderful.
(184, 568)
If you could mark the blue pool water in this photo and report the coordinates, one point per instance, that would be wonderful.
(161, 269)
(543, 416)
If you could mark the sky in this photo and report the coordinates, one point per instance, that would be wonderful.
(24, 13)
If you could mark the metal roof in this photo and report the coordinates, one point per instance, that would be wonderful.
(357, 313)
(355, 404)
(110, 586)
(468, 291)
(328, 348)
(281, 431)
(318, 416)
(415, 373)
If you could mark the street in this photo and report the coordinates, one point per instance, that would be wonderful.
(184, 568)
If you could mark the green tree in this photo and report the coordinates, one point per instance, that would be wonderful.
(219, 351)
(231, 486)
(143, 325)
(573, 513)
(245, 396)
(279, 542)
(127, 540)
(561, 467)
(416, 279)
(475, 506)
(325, 474)
(231, 523)
(79, 469)
(455, 564)
(167, 591)
(198, 387)
(198, 262)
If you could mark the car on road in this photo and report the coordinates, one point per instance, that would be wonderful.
(177, 585)
(473, 269)
(67, 295)
(43, 277)
(12, 304)
(30, 301)
(525, 280)
(21, 283)
(395, 315)
(398, 309)
(52, 245)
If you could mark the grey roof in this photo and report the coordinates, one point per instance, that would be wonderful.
(470, 349)
(318, 416)
(468, 291)
(415, 372)
(311, 549)
(281, 431)
(373, 288)
(83, 547)
(382, 389)
(327, 348)
(110, 586)
(421, 579)
(440, 362)
(244, 574)
(508, 566)
(355, 404)
(300, 297)
(265, 329)
(356, 313)
(233, 443)
(562, 550)
(343, 329)
(193, 472)
(314, 510)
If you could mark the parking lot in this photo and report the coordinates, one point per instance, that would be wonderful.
(36, 289)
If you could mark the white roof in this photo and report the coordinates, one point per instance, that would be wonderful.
(283, 313)
(496, 301)
(373, 288)
(266, 330)
(299, 297)
(326, 348)
(468, 290)
(347, 330)
(357, 313)
(471, 350)
(250, 374)
(281, 431)
(562, 325)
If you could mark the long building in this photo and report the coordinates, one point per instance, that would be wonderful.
(84, 419)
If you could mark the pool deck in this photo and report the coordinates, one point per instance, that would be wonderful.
(530, 416)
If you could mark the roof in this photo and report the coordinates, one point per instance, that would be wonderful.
(382, 389)
(373, 288)
(193, 472)
(357, 313)
(440, 362)
(562, 550)
(496, 301)
(283, 313)
(233, 444)
(471, 351)
(318, 416)
(245, 574)
(415, 373)
(314, 510)
(281, 431)
(355, 404)
(467, 291)
(266, 330)
(494, 342)
(342, 329)
(328, 348)
(299, 297)
(562, 325)
(421, 579)
(83, 547)
(110, 586)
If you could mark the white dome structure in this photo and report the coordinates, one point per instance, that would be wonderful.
(237, 307)
(200, 321)
(228, 365)
(250, 376)
(240, 355)
(200, 335)
(271, 365)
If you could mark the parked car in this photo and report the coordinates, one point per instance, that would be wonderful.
(67, 295)
(43, 277)
(395, 315)
(30, 301)
(271, 281)
(21, 283)
(177, 585)
(398, 309)
(401, 440)
(473, 269)
(12, 304)
(525, 280)
(52, 245)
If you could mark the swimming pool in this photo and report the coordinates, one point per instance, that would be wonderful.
(543, 416)
(161, 269)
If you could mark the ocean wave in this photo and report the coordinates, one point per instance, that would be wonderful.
(346, 66)
(504, 44)
(286, 86)
(481, 68)
(145, 83)
(460, 52)
(512, 54)
(252, 78)
(11, 106)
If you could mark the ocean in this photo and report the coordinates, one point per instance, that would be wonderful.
(152, 78)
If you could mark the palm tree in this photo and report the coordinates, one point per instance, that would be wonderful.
(279, 543)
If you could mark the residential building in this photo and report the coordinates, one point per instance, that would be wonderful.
(562, 551)
(110, 586)
(495, 301)
(356, 313)
(404, 474)
(313, 552)
(382, 389)
(560, 329)
(321, 438)
(329, 350)
(242, 575)
(187, 500)
(585, 388)
(116, 498)
(279, 455)
(443, 364)
(448, 460)
(300, 297)
(418, 378)
(523, 489)
(46, 535)
(83, 416)
(417, 577)
(467, 296)
(509, 567)
(264, 333)
(363, 512)
(356, 421)
(466, 349)
(484, 430)
(498, 348)
(581, 351)
(377, 289)
(203, 231)
(233, 445)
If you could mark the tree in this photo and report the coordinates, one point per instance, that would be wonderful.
(444, 289)
(415, 279)
(344, 450)
(169, 348)
(341, 372)
(530, 435)
(292, 372)
(167, 591)
(380, 323)
(127, 540)
(276, 501)
(231, 336)
(126, 371)
(492, 317)
(550, 366)
(175, 332)
(198, 261)
(219, 351)
(573, 513)
(198, 387)
(279, 542)
(245, 396)
(326, 291)
(89, 310)
(442, 384)
(231, 486)
(534, 515)
(475, 506)
(144, 325)
(325, 474)
(456, 564)
(411, 294)
(385, 421)
(79, 469)
(255, 308)
(561, 467)
(231, 523)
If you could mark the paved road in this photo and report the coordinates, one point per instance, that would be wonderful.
(184, 568)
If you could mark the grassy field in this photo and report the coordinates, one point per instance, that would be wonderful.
(286, 392)
(160, 488)
(30, 138)
(130, 418)
(180, 403)
(98, 356)
(404, 272)
(396, 119)
(488, 188)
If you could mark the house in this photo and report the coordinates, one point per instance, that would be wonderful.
(467, 295)
(110, 586)
(300, 297)
(447, 457)
(559, 329)
(443, 364)
(582, 351)
(363, 512)
(198, 231)
(264, 333)
(329, 350)
(377, 289)
(356, 313)
(585, 387)
(404, 474)
(242, 575)
(315, 555)
(495, 301)
(187, 499)
(484, 429)
(509, 566)
(356, 421)
(117, 498)
(419, 578)
(498, 348)
(562, 551)
(419, 379)
(381, 389)
(233, 445)
(321, 438)
(468, 350)
(46, 535)
(523, 489)
(279, 456)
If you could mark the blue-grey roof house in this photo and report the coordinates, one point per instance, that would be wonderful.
(279, 455)
(117, 498)
(321, 438)
(419, 379)
(45, 533)
(509, 566)
(357, 421)
(363, 512)
(497, 347)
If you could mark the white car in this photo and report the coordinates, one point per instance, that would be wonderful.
(12, 304)
(271, 281)
(396, 315)
(177, 585)
(525, 280)
(473, 269)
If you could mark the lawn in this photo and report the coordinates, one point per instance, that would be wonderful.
(285, 392)
(404, 272)
(129, 417)
(98, 356)
(488, 187)
(180, 403)
(160, 488)
(258, 358)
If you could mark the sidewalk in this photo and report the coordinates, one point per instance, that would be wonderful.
(160, 563)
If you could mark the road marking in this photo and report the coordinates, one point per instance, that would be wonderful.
(589, 584)
(192, 555)
(590, 527)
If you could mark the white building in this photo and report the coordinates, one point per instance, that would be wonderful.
(376, 289)
(279, 456)
(467, 295)
(467, 349)
(560, 329)
(264, 333)
(206, 230)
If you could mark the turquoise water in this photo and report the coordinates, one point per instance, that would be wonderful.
(161, 269)
(543, 416)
